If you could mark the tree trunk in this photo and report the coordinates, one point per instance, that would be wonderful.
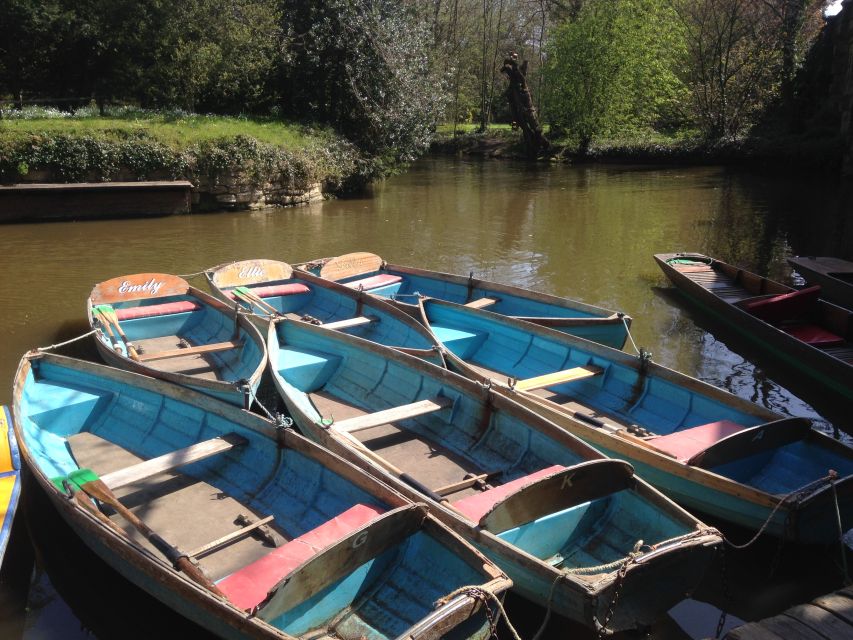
(521, 107)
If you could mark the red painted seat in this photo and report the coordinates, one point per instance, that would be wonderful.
(786, 306)
(272, 290)
(248, 587)
(683, 445)
(813, 335)
(167, 308)
(374, 282)
(477, 505)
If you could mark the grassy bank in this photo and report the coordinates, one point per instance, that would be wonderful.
(45, 144)
(808, 153)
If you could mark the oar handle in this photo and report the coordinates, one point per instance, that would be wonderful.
(107, 312)
(105, 323)
(252, 298)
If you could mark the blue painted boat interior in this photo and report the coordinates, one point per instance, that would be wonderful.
(410, 286)
(205, 325)
(661, 406)
(586, 535)
(328, 305)
(378, 600)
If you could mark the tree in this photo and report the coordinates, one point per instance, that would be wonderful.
(612, 68)
(733, 68)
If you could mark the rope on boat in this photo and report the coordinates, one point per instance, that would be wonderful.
(832, 479)
(639, 351)
(283, 421)
(483, 595)
(62, 344)
(187, 276)
(808, 488)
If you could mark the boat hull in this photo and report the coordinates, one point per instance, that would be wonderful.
(10, 479)
(833, 373)
(835, 276)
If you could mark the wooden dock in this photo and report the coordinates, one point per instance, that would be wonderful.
(86, 200)
(828, 617)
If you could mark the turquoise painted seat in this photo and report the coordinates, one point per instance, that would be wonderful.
(462, 342)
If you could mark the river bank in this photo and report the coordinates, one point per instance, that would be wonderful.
(808, 154)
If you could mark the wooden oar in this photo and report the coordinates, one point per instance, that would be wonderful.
(252, 298)
(109, 313)
(93, 486)
(106, 325)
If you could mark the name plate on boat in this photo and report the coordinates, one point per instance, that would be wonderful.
(251, 272)
(350, 264)
(138, 286)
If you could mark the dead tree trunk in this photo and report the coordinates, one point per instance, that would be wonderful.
(521, 106)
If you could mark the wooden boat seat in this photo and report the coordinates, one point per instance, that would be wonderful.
(249, 586)
(685, 444)
(481, 303)
(190, 351)
(147, 311)
(461, 342)
(751, 441)
(349, 323)
(558, 377)
(787, 306)
(544, 492)
(271, 291)
(374, 282)
(173, 460)
(387, 416)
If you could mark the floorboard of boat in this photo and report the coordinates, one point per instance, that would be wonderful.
(567, 403)
(186, 512)
(420, 457)
(198, 365)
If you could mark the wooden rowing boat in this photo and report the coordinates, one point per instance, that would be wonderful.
(707, 449)
(271, 290)
(267, 535)
(577, 533)
(158, 325)
(793, 326)
(10, 479)
(834, 275)
(404, 285)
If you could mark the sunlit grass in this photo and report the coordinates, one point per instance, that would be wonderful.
(176, 129)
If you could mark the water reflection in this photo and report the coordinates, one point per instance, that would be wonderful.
(585, 232)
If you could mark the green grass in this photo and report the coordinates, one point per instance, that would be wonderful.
(175, 129)
(447, 129)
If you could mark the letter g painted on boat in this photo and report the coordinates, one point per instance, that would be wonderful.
(359, 540)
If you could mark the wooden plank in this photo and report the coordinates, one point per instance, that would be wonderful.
(821, 621)
(248, 272)
(480, 303)
(752, 631)
(349, 323)
(790, 628)
(558, 377)
(189, 351)
(393, 414)
(138, 286)
(228, 538)
(464, 484)
(170, 461)
(351, 264)
(846, 591)
(838, 605)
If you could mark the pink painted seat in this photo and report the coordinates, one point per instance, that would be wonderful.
(786, 306)
(167, 308)
(813, 335)
(477, 505)
(248, 587)
(683, 445)
(289, 289)
(374, 282)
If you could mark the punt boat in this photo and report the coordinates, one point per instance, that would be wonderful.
(236, 523)
(271, 290)
(158, 325)
(834, 275)
(404, 285)
(10, 479)
(705, 448)
(793, 326)
(577, 533)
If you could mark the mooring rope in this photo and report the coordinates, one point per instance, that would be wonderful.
(186, 276)
(483, 595)
(62, 344)
(628, 331)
